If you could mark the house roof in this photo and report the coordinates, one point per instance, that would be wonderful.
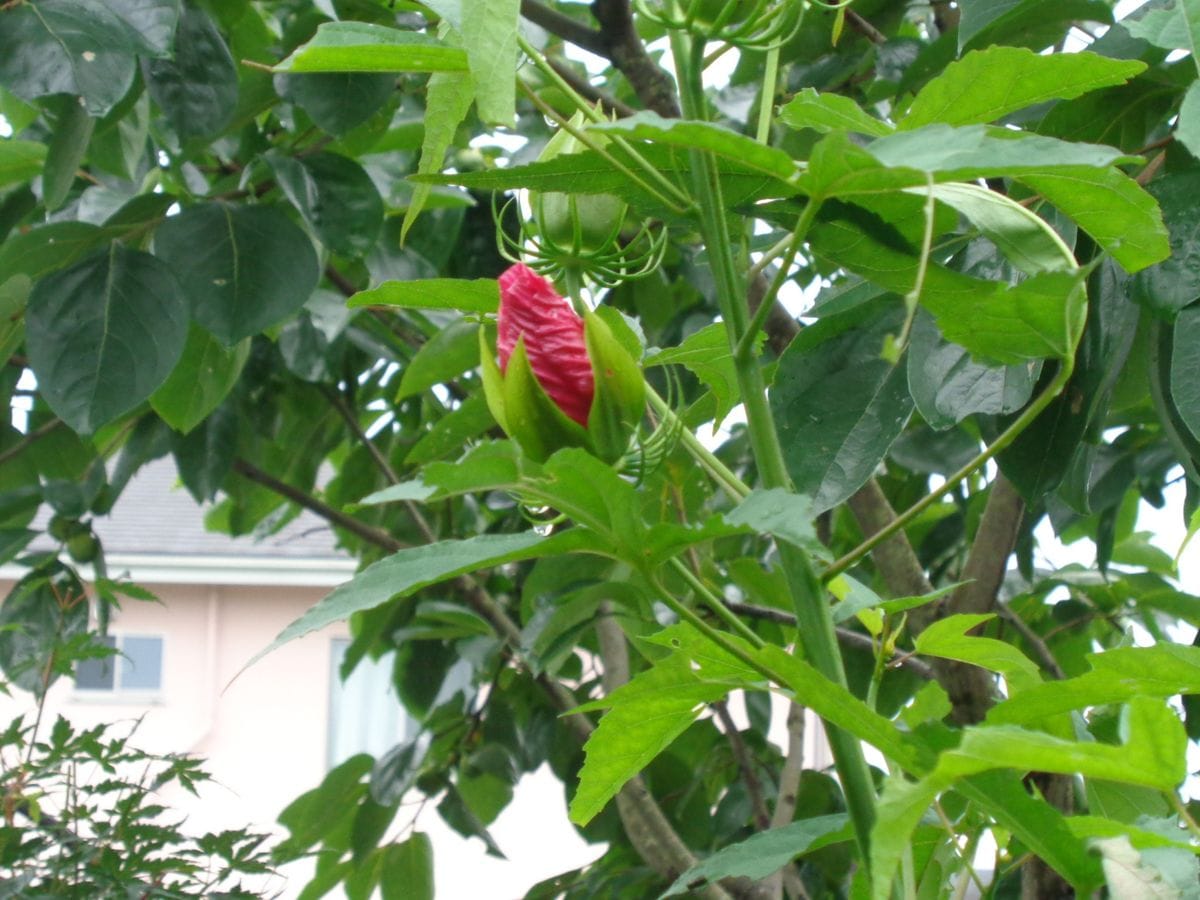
(156, 533)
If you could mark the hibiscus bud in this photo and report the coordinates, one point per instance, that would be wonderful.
(562, 380)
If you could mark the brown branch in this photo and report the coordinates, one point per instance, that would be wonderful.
(865, 28)
(30, 439)
(1040, 648)
(357, 527)
(624, 48)
(351, 420)
(586, 89)
(741, 755)
(563, 26)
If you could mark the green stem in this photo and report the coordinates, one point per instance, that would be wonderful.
(736, 488)
(715, 603)
(766, 103)
(812, 612)
(1035, 409)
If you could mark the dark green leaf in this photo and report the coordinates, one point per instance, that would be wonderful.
(337, 101)
(1171, 285)
(362, 47)
(43, 611)
(197, 88)
(205, 454)
(986, 85)
(103, 334)
(839, 404)
(78, 47)
(335, 197)
(72, 131)
(154, 22)
(1185, 368)
(205, 374)
(481, 295)
(244, 267)
(1027, 23)
(453, 430)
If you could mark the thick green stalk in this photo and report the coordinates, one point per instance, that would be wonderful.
(812, 612)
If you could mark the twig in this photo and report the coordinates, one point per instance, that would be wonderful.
(1044, 655)
(589, 90)
(624, 48)
(741, 755)
(865, 28)
(31, 438)
(563, 26)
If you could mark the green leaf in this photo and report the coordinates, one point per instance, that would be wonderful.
(691, 135)
(337, 101)
(72, 131)
(980, 151)
(78, 47)
(406, 872)
(834, 439)
(445, 356)
(1116, 676)
(20, 160)
(1110, 206)
(407, 571)
(1170, 285)
(825, 112)
(947, 638)
(447, 100)
(986, 85)
(948, 386)
(1187, 128)
(706, 354)
(205, 374)
(619, 398)
(152, 21)
(763, 854)
(1026, 23)
(452, 431)
(481, 295)
(44, 610)
(489, 36)
(243, 267)
(103, 334)
(14, 294)
(644, 717)
(530, 417)
(1039, 317)
(197, 88)
(1023, 237)
(362, 47)
(335, 196)
(1185, 368)
(777, 512)
(1174, 28)
(204, 456)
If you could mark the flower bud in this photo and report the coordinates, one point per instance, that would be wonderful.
(561, 380)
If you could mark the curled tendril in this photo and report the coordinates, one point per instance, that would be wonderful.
(646, 454)
(604, 267)
(757, 25)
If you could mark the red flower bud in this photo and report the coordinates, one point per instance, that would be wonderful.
(554, 341)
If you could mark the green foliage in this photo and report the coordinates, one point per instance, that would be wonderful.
(260, 237)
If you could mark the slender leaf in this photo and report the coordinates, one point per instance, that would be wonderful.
(481, 295)
(363, 47)
(826, 112)
(447, 100)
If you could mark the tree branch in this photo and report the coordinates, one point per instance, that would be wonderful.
(623, 47)
(30, 439)
(586, 89)
(563, 26)
(741, 755)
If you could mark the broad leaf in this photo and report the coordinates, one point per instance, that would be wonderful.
(986, 85)
(197, 88)
(205, 374)
(780, 513)
(337, 101)
(830, 112)
(449, 353)
(335, 197)
(481, 295)
(20, 160)
(834, 439)
(489, 36)
(406, 872)
(1176, 27)
(1026, 23)
(947, 638)
(103, 334)
(1172, 284)
(205, 454)
(153, 21)
(72, 132)
(362, 47)
(706, 355)
(244, 267)
(79, 47)
(1185, 368)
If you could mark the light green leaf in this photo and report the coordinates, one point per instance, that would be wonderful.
(1128, 875)
(452, 431)
(706, 354)
(362, 47)
(947, 638)
(826, 112)
(762, 854)
(14, 293)
(481, 295)
(406, 872)
(20, 160)
(1187, 128)
(489, 35)
(1110, 206)
(1174, 28)
(447, 100)
(103, 334)
(1022, 236)
(777, 512)
(650, 126)
(446, 355)
(986, 85)
(407, 571)
(644, 716)
(204, 376)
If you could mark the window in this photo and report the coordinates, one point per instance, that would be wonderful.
(365, 715)
(136, 666)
